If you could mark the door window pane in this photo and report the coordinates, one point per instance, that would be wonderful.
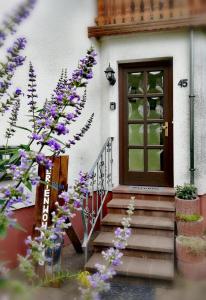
(155, 134)
(136, 109)
(136, 134)
(136, 160)
(155, 82)
(155, 159)
(136, 83)
(155, 108)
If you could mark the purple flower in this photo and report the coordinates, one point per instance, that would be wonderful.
(36, 136)
(70, 116)
(61, 129)
(53, 145)
(18, 92)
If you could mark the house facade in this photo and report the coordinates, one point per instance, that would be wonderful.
(148, 45)
(156, 109)
(156, 49)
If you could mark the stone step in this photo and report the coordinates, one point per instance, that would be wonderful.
(149, 222)
(144, 231)
(145, 193)
(138, 267)
(143, 212)
(160, 244)
(143, 207)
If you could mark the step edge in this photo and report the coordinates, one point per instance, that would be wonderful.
(90, 266)
(134, 190)
(146, 226)
(146, 248)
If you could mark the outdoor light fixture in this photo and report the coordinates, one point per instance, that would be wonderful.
(110, 75)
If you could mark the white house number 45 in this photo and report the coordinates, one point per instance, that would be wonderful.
(183, 83)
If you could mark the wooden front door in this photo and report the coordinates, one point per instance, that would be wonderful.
(145, 123)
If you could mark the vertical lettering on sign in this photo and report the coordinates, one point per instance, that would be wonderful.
(46, 199)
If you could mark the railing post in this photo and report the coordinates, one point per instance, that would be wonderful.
(156, 9)
(119, 9)
(100, 20)
(147, 10)
(128, 11)
(137, 10)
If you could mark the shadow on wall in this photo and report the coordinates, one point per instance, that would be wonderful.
(14, 243)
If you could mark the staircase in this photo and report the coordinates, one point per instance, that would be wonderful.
(150, 249)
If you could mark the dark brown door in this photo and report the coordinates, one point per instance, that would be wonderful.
(145, 123)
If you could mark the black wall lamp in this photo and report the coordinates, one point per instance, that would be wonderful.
(110, 75)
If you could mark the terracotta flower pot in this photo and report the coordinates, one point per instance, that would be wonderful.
(184, 254)
(192, 271)
(191, 228)
(191, 265)
(187, 207)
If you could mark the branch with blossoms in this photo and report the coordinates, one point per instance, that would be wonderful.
(48, 123)
(11, 22)
(51, 237)
(94, 285)
(14, 59)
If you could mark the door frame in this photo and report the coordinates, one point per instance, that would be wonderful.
(122, 92)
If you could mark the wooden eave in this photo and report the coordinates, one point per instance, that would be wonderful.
(172, 24)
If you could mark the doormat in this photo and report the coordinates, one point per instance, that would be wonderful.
(146, 188)
(119, 291)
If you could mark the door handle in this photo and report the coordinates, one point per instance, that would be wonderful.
(165, 127)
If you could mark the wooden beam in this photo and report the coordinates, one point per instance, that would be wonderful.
(159, 25)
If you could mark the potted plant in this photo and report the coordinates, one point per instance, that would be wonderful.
(189, 225)
(186, 200)
(191, 256)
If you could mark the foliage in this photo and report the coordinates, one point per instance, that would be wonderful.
(195, 245)
(188, 218)
(93, 285)
(9, 286)
(49, 123)
(187, 191)
(58, 278)
(48, 238)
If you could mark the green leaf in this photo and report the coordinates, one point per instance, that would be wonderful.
(4, 162)
(25, 147)
(28, 184)
(21, 127)
(14, 158)
(3, 228)
(2, 201)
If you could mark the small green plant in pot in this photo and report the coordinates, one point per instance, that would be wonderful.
(186, 200)
(189, 225)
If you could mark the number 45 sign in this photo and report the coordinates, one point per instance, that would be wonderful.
(183, 83)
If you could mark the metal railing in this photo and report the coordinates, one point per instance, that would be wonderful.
(99, 185)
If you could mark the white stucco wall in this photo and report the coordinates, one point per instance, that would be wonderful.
(200, 109)
(57, 38)
(159, 45)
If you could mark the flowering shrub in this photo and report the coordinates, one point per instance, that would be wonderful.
(48, 237)
(94, 284)
(47, 123)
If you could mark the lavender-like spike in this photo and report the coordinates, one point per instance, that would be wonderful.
(32, 94)
(4, 106)
(10, 23)
(79, 135)
(14, 60)
(14, 116)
